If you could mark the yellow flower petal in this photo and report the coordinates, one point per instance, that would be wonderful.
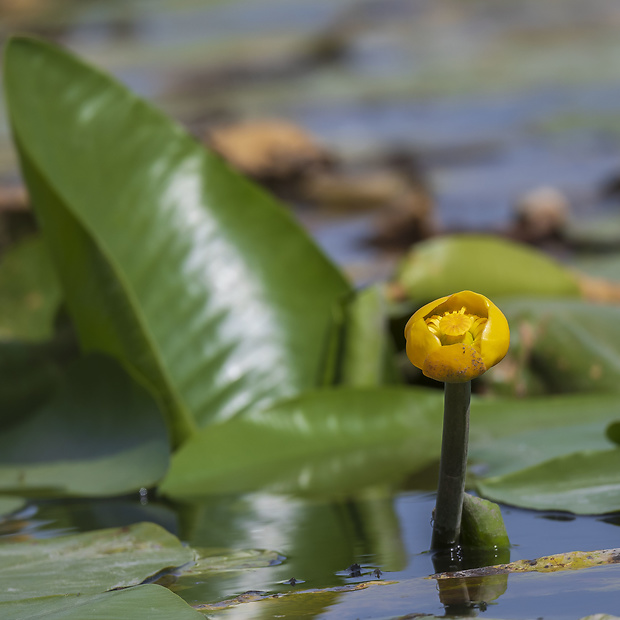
(424, 312)
(495, 338)
(420, 342)
(454, 363)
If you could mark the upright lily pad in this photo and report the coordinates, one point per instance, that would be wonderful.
(170, 261)
(97, 433)
(485, 264)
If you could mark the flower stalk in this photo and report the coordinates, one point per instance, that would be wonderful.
(452, 468)
(455, 339)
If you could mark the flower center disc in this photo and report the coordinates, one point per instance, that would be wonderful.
(455, 324)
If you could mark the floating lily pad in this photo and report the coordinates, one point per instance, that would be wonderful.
(88, 563)
(573, 560)
(145, 602)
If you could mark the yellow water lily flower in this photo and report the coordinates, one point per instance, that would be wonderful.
(457, 338)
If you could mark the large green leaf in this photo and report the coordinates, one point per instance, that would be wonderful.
(485, 264)
(88, 563)
(146, 602)
(324, 441)
(170, 261)
(97, 433)
(583, 483)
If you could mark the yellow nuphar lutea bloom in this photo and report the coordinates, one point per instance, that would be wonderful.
(457, 338)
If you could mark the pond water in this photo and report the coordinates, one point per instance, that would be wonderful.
(318, 542)
(494, 100)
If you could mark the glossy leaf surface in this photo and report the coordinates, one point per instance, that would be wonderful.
(96, 433)
(170, 261)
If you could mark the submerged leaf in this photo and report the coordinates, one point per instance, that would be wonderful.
(170, 261)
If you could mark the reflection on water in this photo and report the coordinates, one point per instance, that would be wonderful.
(320, 541)
(464, 596)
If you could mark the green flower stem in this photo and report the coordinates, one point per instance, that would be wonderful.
(449, 506)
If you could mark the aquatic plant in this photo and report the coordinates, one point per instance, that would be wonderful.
(455, 339)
